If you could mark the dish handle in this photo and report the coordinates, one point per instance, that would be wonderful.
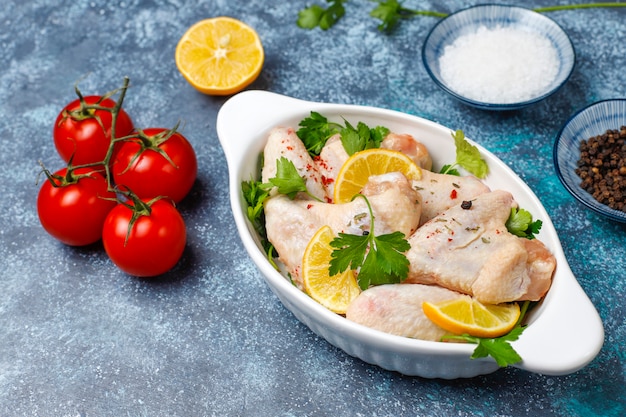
(248, 114)
(568, 333)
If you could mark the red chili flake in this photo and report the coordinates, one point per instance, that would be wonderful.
(321, 162)
(290, 148)
(309, 206)
(449, 239)
(327, 181)
(453, 194)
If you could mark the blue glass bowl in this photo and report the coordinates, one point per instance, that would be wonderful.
(491, 16)
(592, 120)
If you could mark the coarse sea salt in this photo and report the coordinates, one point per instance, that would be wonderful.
(500, 65)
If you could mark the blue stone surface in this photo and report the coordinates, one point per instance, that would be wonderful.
(80, 338)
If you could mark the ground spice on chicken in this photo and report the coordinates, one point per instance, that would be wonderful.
(602, 168)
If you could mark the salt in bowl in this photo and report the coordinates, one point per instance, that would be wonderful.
(497, 57)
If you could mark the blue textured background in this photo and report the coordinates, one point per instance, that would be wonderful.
(80, 338)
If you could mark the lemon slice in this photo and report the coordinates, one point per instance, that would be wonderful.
(220, 56)
(356, 171)
(466, 315)
(333, 292)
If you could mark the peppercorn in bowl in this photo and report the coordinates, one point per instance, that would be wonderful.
(497, 57)
(590, 157)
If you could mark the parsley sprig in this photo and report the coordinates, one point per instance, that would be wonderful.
(520, 223)
(467, 157)
(379, 259)
(324, 17)
(316, 129)
(392, 12)
(288, 180)
(499, 348)
(362, 137)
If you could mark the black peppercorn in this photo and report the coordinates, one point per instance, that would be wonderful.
(602, 168)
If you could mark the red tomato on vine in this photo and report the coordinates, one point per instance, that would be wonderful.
(72, 206)
(83, 129)
(156, 163)
(144, 238)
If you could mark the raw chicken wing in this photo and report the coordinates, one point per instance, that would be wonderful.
(397, 309)
(470, 250)
(283, 142)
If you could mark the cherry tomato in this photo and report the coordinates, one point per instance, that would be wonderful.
(85, 132)
(152, 245)
(74, 208)
(159, 162)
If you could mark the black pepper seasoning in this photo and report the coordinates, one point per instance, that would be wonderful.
(602, 168)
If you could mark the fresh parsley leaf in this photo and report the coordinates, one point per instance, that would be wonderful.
(314, 132)
(378, 134)
(379, 259)
(255, 195)
(362, 137)
(287, 180)
(390, 12)
(448, 169)
(317, 15)
(386, 264)
(499, 348)
(349, 252)
(310, 17)
(520, 223)
(467, 157)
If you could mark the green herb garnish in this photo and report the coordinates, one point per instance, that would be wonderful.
(324, 17)
(287, 180)
(255, 195)
(520, 223)
(499, 348)
(380, 258)
(362, 137)
(467, 157)
(315, 130)
(391, 12)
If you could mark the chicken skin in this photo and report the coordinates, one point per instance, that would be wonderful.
(397, 309)
(469, 249)
(442, 191)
